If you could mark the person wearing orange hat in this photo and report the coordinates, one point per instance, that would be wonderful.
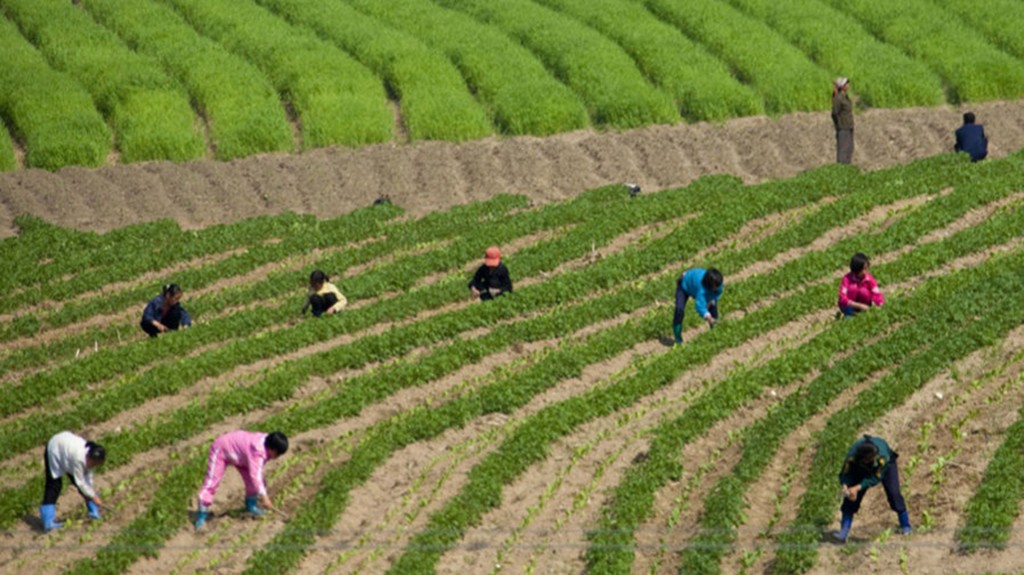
(491, 279)
(842, 120)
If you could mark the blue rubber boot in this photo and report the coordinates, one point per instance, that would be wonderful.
(844, 528)
(94, 510)
(677, 331)
(251, 507)
(905, 527)
(201, 516)
(49, 515)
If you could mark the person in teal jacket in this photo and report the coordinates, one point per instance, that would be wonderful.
(870, 461)
(705, 287)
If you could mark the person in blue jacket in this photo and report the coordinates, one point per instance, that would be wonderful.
(971, 138)
(705, 287)
(164, 312)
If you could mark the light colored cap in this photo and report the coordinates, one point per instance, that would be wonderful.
(492, 257)
(841, 82)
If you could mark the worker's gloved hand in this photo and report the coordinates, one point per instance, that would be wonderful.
(94, 510)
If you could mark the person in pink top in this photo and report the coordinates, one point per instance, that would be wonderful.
(858, 290)
(246, 451)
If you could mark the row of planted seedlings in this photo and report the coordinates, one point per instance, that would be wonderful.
(702, 86)
(597, 69)
(278, 386)
(788, 81)
(50, 113)
(337, 99)
(798, 546)
(149, 111)
(512, 458)
(916, 318)
(611, 548)
(885, 77)
(435, 101)
(619, 339)
(243, 111)
(931, 34)
(996, 20)
(171, 377)
(521, 94)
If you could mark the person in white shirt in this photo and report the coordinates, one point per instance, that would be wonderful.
(71, 455)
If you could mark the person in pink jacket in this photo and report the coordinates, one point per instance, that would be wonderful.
(246, 451)
(859, 289)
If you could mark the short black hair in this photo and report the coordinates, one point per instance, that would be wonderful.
(171, 290)
(96, 452)
(712, 279)
(866, 453)
(318, 277)
(968, 117)
(858, 262)
(276, 441)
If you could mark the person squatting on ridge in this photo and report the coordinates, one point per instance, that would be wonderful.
(248, 452)
(705, 287)
(491, 280)
(164, 312)
(71, 455)
(858, 290)
(842, 120)
(324, 297)
(971, 138)
(870, 461)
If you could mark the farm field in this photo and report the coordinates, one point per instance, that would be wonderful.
(104, 82)
(552, 430)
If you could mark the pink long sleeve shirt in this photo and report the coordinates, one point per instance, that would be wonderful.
(864, 291)
(244, 450)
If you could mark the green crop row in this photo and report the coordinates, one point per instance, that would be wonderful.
(798, 548)
(337, 100)
(997, 20)
(884, 76)
(523, 97)
(7, 160)
(598, 70)
(784, 77)
(242, 110)
(703, 87)
(917, 320)
(53, 117)
(974, 69)
(436, 104)
(151, 114)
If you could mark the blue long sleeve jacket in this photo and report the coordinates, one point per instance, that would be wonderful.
(691, 284)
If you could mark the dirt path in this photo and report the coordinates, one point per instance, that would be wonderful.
(430, 176)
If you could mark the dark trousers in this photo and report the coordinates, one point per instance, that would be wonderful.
(681, 298)
(322, 303)
(891, 484)
(844, 146)
(51, 491)
(172, 320)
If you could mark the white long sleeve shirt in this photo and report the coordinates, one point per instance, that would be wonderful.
(67, 453)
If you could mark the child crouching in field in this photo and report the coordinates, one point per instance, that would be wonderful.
(324, 297)
(859, 290)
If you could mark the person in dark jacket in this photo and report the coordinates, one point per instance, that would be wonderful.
(842, 120)
(164, 312)
(870, 461)
(971, 138)
(491, 280)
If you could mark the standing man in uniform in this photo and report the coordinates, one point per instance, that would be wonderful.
(870, 461)
(842, 120)
(71, 455)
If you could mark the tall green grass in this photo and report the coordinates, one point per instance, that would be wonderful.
(243, 111)
(7, 160)
(884, 76)
(52, 115)
(784, 77)
(338, 100)
(436, 103)
(523, 96)
(122, 82)
(999, 21)
(975, 70)
(604, 76)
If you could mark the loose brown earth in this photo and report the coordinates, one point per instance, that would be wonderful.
(545, 513)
